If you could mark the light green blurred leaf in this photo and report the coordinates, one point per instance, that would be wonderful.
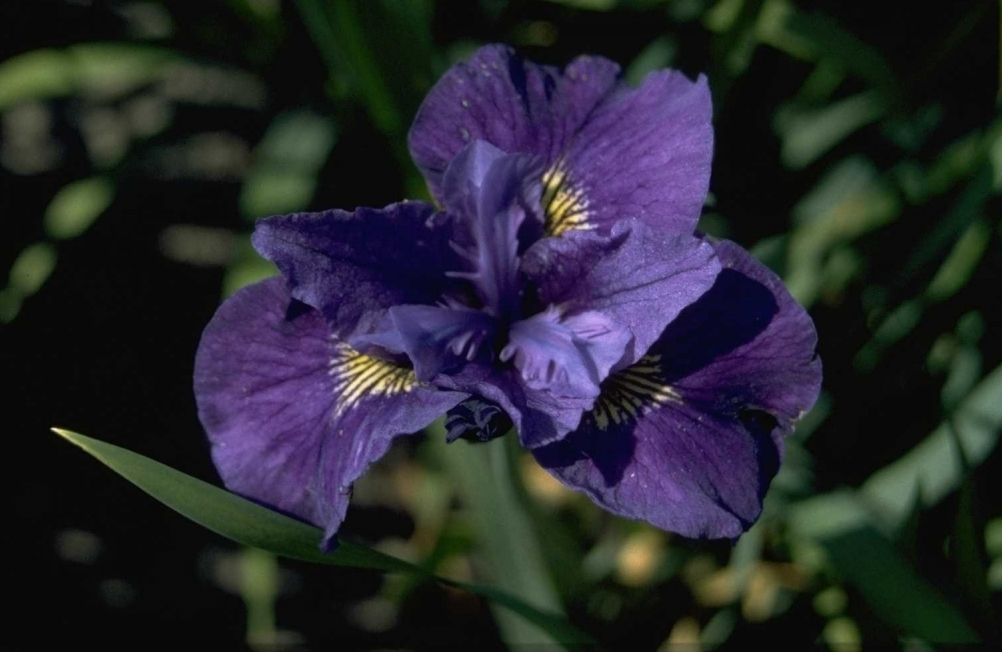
(246, 267)
(271, 191)
(251, 524)
(106, 69)
(286, 164)
(32, 268)
(300, 139)
(36, 75)
(933, 465)
(868, 561)
(114, 69)
(76, 206)
(850, 200)
(658, 54)
(808, 134)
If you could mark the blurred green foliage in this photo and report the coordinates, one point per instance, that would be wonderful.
(859, 153)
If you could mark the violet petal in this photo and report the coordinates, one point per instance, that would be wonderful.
(353, 265)
(510, 102)
(565, 356)
(689, 438)
(293, 416)
(638, 276)
(611, 151)
(492, 196)
(434, 338)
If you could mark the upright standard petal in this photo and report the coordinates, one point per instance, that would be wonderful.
(510, 102)
(294, 415)
(610, 151)
(351, 266)
(494, 200)
(689, 437)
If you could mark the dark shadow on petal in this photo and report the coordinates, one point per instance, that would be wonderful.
(516, 72)
(296, 309)
(763, 427)
(732, 313)
(611, 451)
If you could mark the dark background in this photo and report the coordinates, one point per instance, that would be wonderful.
(884, 113)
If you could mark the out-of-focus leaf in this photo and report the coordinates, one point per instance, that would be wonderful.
(286, 164)
(32, 268)
(76, 206)
(366, 42)
(807, 134)
(259, 590)
(830, 41)
(509, 545)
(993, 537)
(968, 208)
(960, 264)
(263, 12)
(772, 30)
(849, 201)
(114, 69)
(893, 329)
(734, 46)
(592, 5)
(969, 558)
(960, 160)
(658, 54)
(995, 153)
(868, 561)
(964, 371)
(107, 69)
(248, 267)
(10, 304)
(270, 191)
(36, 75)
(933, 465)
(251, 524)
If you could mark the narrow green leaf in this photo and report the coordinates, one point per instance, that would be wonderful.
(860, 553)
(230, 515)
(251, 524)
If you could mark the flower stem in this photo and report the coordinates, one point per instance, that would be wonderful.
(510, 556)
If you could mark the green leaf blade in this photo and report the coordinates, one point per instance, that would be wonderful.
(248, 523)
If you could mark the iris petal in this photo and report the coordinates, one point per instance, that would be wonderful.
(353, 265)
(435, 339)
(689, 437)
(638, 276)
(565, 356)
(610, 151)
(295, 417)
(514, 104)
(495, 197)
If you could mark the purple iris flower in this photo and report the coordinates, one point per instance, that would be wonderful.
(560, 289)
